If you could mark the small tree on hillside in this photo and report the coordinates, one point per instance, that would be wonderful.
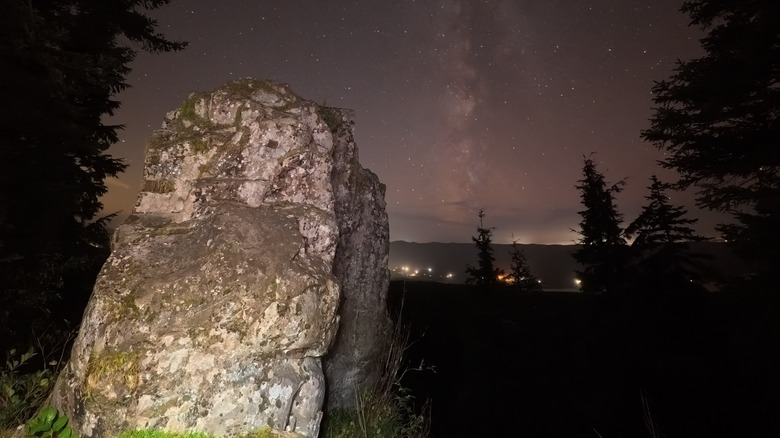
(602, 247)
(662, 233)
(485, 275)
(520, 272)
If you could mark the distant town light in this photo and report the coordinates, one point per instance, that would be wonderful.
(505, 278)
(577, 281)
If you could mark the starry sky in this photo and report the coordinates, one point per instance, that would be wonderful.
(461, 104)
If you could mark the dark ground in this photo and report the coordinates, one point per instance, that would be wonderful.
(571, 365)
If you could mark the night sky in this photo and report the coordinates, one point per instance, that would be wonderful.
(460, 105)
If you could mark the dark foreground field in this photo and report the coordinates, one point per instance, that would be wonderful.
(571, 365)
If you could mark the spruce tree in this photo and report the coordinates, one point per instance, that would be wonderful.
(602, 246)
(519, 271)
(63, 64)
(660, 222)
(661, 232)
(485, 275)
(718, 120)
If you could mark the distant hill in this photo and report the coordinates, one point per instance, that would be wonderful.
(553, 264)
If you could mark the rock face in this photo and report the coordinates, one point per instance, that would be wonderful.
(222, 291)
(356, 359)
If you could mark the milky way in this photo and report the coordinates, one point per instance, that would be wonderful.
(461, 104)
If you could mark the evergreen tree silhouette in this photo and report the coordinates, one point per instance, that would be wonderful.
(661, 235)
(602, 251)
(660, 222)
(718, 120)
(63, 64)
(520, 272)
(485, 275)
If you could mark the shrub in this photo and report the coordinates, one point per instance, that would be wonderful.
(387, 410)
(50, 423)
(22, 393)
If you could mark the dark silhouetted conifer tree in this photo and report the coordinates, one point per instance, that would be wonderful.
(485, 275)
(602, 250)
(661, 233)
(718, 119)
(520, 272)
(63, 64)
(660, 222)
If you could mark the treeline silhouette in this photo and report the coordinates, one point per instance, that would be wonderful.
(658, 258)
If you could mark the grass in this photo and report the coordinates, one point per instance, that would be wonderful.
(26, 383)
(388, 409)
(22, 392)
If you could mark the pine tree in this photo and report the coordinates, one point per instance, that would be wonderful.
(485, 275)
(520, 272)
(63, 64)
(660, 222)
(718, 119)
(602, 246)
(661, 254)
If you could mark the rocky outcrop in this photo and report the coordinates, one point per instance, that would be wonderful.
(221, 293)
(356, 360)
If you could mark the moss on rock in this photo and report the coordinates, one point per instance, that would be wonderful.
(159, 186)
(112, 372)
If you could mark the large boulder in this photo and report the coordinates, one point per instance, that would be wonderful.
(356, 361)
(221, 294)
